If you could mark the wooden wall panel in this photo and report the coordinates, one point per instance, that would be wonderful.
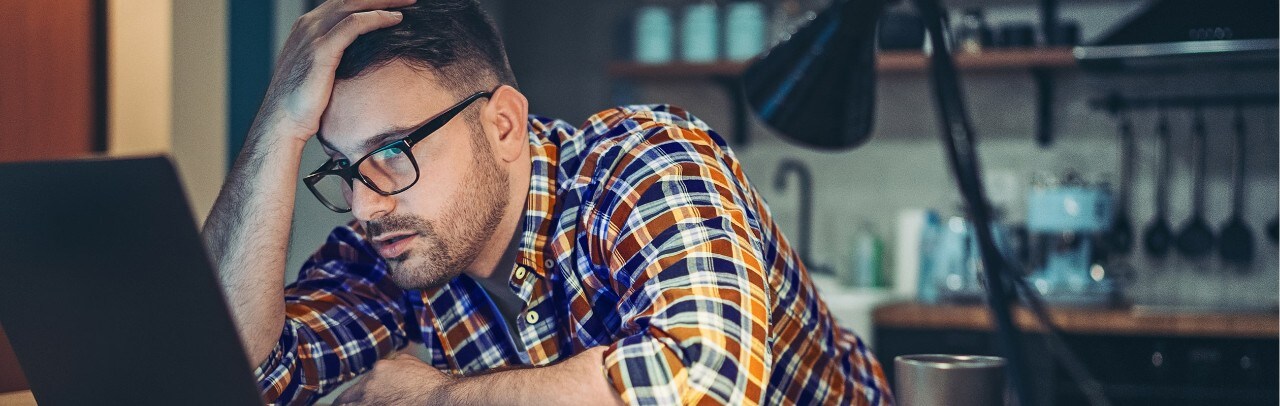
(48, 89)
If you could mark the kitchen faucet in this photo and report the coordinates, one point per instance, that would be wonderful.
(785, 169)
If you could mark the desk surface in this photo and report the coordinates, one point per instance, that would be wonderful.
(19, 398)
(1134, 321)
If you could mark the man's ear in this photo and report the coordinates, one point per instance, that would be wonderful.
(508, 113)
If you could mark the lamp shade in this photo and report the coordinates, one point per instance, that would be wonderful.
(817, 87)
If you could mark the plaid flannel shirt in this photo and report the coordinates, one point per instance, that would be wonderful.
(641, 233)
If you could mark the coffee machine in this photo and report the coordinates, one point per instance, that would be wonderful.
(1066, 220)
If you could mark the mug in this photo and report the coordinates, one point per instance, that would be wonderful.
(956, 380)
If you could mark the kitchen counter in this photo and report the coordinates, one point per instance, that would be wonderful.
(1131, 321)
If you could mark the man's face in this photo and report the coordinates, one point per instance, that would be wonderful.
(433, 231)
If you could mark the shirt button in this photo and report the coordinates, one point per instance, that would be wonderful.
(531, 317)
(549, 263)
(520, 272)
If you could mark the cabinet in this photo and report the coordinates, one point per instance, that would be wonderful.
(1140, 359)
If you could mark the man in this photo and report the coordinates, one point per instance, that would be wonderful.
(626, 261)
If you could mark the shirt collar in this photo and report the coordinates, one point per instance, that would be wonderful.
(540, 204)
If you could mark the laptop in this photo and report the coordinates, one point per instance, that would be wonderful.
(106, 293)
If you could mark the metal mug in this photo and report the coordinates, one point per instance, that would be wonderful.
(955, 380)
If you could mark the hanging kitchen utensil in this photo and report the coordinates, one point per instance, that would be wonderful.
(1235, 244)
(1157, 236)
(1273, 230)
(1196, 238)
(1119, 239)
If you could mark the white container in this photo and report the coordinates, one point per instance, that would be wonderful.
(906, 257)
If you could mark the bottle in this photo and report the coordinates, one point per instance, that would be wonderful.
(868, 258)
(927, 291)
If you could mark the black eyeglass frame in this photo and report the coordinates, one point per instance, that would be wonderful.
(351, 172)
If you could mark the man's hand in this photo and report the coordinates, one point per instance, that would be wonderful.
(400, 380)
(304, 74)
(247, 234)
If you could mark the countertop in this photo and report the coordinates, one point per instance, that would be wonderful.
(1126, 321)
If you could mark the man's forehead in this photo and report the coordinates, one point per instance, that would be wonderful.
(360, 144)
(383, 103)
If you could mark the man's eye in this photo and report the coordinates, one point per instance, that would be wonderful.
(387, 153)
(342, 163)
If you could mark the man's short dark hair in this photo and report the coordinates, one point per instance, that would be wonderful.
(453, 39)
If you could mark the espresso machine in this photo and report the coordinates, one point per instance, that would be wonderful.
(1066, 221)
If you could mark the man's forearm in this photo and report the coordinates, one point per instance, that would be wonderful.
(247, 235)
(577, 380)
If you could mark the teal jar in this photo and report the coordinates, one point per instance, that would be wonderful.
(654, 35)
(745, 24)
(700, 33)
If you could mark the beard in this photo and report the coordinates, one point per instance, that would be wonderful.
(446, 247)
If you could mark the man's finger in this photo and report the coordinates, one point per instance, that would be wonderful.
(355, 6)
(330, 46)
(334, 11)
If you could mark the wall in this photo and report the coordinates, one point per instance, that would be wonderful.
(140, 40)
(199, 114)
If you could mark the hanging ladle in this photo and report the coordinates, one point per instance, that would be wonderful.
(1236, 242)
(1157, 236)
(1196, 238)
(1120, 238)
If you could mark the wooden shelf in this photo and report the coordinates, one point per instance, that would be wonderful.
(1134, 321)
(896, 61)
(1040, 62)
(993, 60)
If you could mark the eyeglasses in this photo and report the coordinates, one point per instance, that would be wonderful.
(388, 170)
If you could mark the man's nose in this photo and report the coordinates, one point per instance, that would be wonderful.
(367, 204)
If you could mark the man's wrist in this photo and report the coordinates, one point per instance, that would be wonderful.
(277, 130)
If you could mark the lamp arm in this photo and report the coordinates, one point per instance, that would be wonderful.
(959, 139)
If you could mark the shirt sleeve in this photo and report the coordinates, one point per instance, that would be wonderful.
(691, 281)
(342, 316)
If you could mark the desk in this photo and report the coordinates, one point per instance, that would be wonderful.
(19, 398)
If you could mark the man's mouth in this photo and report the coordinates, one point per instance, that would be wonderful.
(392, 246)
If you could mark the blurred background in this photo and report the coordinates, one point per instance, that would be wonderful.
(184, 78)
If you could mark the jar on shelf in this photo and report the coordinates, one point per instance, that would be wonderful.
(744, 27)
(700, 32)
(654, 37)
